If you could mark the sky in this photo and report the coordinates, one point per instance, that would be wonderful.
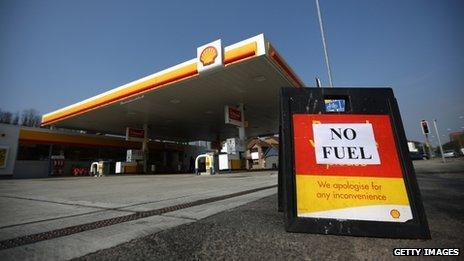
(57, 52)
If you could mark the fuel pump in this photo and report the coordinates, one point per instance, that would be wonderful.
(211, 163)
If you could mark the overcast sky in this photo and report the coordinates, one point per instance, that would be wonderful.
(55, 53)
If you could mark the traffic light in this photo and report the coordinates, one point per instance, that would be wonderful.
(425, 126)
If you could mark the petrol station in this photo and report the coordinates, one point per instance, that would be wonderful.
(224, 95)
(342, 152)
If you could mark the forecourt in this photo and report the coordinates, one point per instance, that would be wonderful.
(186, 102)
(65, 218)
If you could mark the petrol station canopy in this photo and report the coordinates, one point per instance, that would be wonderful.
(186, 102)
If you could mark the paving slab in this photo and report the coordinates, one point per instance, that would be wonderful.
(125, 191)
(21, 211)
(58, 223)
(206, 210)
(76, 245)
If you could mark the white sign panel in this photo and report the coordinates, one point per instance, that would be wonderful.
(133, 155)
(209, 56)
(223, 162)
(254, 155)
(412, 147)
(345, 143)
(235, 145)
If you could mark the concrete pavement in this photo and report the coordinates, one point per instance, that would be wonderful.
(43, 205)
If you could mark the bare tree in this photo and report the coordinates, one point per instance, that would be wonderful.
(15, 119)
(30, 118)
(5, 117)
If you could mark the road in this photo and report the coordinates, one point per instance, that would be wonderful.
(223, 217)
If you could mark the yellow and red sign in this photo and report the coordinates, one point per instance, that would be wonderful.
(235, 114)
(347, 167)
(210, 56)
(135, 134)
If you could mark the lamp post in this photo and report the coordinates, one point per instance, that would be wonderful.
(439, 141)
(326, 55)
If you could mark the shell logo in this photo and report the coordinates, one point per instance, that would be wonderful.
(208, 55)
(395, 213)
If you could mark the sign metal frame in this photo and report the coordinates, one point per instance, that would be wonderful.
(365, 101)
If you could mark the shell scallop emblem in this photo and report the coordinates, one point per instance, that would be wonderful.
(395, 213)
(208, 55)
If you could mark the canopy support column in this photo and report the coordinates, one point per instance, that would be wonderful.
(242, 134)
(145, 148)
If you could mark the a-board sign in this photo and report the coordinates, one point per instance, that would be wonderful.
(349, 172)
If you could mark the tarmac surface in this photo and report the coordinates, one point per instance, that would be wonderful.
(231, 216)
